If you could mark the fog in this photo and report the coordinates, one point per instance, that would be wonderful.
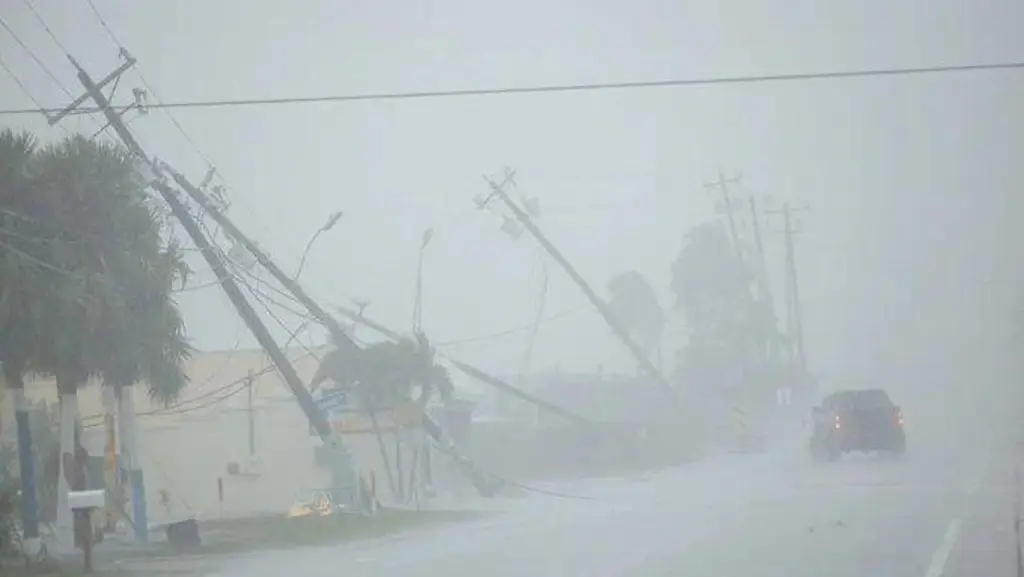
(907, 254)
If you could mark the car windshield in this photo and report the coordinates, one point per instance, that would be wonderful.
(869, 399)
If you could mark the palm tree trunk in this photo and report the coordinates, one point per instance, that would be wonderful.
(67, 469)
(26, 458)
(383, 450)
(110, 477)
(130, 461)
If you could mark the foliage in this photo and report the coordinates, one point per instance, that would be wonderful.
(86, 276)
(10, 546)
(43, 423)
(635, 304)
(713, 289)
(388, 372)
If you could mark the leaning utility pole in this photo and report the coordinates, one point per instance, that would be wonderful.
(498, 190)
(722, 185)
(226, 278)
(766, 297)
(794, 325)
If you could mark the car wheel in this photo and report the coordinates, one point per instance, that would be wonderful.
(816, 455)
(817, 450)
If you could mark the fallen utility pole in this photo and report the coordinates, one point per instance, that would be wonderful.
(498, 190)
(475, 373)
(227, 281)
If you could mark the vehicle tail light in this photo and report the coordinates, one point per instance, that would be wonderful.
(839, 423)
(899, 418)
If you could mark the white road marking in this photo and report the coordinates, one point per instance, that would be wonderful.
(941, 555)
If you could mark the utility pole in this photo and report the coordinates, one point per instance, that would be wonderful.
(794, 324)
(766, 297)
(722, 185)
(498, 190)
(216, 262)
(755, 220)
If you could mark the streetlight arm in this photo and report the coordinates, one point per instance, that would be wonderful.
(331, 221)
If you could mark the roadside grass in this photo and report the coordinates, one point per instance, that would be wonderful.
(222, 538)
(278, 532)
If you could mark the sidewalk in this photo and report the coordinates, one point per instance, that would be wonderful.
(181, 566)
(986, 541)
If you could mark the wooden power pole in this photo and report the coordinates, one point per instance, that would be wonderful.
(722, 185)
(498, 190)
(794, 323)
(765, 296)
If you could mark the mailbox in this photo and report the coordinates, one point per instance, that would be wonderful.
(82, 504)
(86, 500)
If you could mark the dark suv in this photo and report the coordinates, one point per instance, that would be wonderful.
(864, 420)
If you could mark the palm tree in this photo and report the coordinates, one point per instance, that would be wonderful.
(385, 375)
(18, 305)
(105, 308)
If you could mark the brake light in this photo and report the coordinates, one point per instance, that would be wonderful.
(899, 418)
(839, 423)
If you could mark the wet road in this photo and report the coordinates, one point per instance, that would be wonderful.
(934, 513)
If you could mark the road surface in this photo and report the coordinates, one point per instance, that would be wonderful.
(945, 510)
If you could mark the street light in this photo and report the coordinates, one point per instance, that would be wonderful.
(331, 221)
(417, 311)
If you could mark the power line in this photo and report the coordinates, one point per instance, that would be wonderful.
(20, 84)
(149, 87)
(37, 60)
(537, 320)
(554, 88)
(512, 331)
(46, 26)
(103, 22)
(207, 404)
(186, 405)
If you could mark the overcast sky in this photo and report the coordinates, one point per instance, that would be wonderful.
(907, 255)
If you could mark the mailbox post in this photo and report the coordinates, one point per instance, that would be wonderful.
(82, 504)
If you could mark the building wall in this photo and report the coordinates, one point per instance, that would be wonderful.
(186, 448)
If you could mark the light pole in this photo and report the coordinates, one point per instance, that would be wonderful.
(331, 221)
(417, 310)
